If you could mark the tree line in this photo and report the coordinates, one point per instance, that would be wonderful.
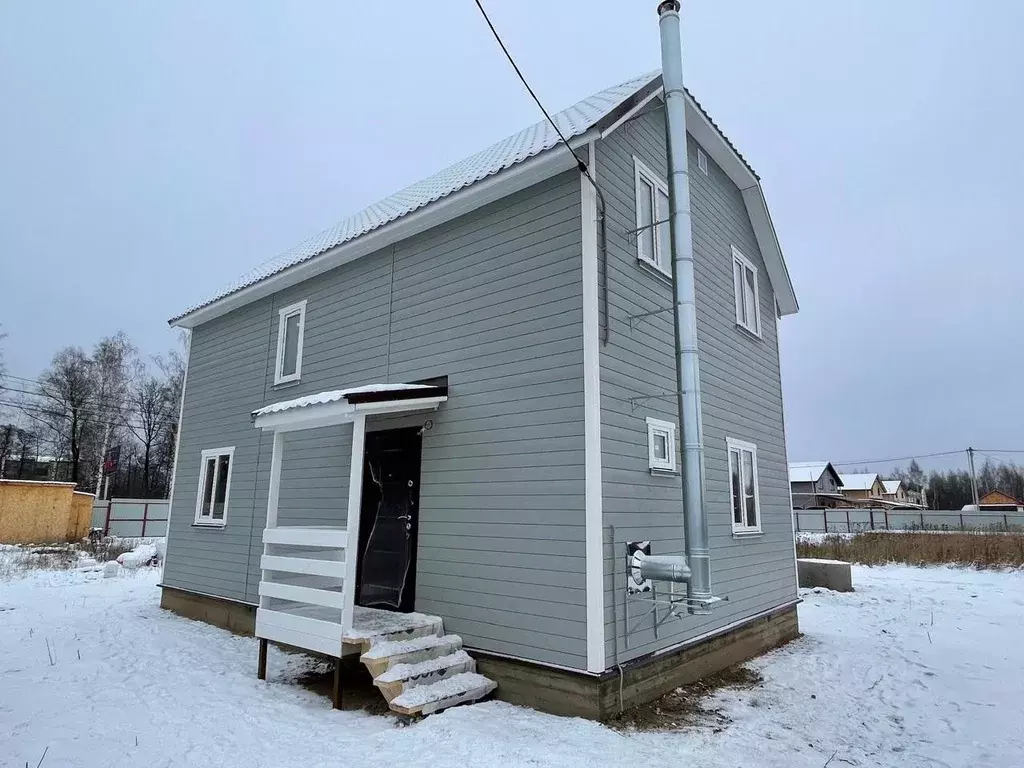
(951, 489)
(105, 419)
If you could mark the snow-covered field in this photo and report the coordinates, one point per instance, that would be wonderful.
(919, 667)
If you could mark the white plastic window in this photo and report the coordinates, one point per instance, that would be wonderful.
(661, 445)
(291, 328)
(748, 308)
(702, 161)
(652, 237)
(214, 486)
(746, 506)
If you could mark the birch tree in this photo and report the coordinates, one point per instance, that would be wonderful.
(112, 362)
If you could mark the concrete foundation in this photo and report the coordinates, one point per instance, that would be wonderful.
(564, 692)
(226, 614)
(830, 574)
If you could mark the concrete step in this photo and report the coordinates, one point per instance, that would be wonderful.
(382, 656)
(403, 677)
(458, 689)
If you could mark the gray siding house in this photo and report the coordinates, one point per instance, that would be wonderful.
(492, 392)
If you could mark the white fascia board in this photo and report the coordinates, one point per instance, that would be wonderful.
(716, 147)
(525, 174)
(340, 412)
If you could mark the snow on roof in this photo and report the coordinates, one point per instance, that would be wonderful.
(862, 481)
(541, 136)
(333, 396)
(806, 471)
(891, 486)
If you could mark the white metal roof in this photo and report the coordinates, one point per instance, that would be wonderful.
(806, 471)
(574, 121)
(861, 481)
(332, 396)
(440, 197)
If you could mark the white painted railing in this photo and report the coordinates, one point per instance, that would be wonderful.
(307, 586)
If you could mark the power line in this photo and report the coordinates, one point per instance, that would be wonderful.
(579, 162)
(898, 458)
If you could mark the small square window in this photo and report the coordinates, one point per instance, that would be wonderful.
(702, 161)
(652, 236)
(748, 308)
(214, 486)
(661, 445)
(291, 327)
(744, 496)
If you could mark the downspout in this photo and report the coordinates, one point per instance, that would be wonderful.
(695, 523)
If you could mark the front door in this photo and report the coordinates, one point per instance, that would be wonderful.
(388, 520)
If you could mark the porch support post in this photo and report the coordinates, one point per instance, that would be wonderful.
(273, 494)
(355, 497)
(275, 480)
(261, 666)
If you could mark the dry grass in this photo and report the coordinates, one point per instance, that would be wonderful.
(106, 549)
(17, 560)
(980, 550)
(686, 706)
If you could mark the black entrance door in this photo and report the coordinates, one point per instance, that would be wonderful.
(388, 519)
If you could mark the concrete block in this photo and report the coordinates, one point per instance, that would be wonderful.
(830, 574)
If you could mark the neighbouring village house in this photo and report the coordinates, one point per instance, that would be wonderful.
(815, 484)
(441, 433)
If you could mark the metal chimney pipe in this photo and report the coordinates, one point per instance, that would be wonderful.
(695, 523)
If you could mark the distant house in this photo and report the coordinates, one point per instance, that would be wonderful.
(862, 486)
(815, 485)
(997, 501)
(895, 490)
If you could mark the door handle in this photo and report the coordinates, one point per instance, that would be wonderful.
(404, 517)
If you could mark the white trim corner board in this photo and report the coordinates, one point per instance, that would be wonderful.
(594, 525)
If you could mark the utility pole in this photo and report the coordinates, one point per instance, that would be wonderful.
(974, 479)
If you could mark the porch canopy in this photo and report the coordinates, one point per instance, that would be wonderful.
(311, 567)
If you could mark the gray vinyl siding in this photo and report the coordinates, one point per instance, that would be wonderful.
(741, 398)
(493, 300)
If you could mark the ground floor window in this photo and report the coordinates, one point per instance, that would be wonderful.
(214, 486)
(746, 508)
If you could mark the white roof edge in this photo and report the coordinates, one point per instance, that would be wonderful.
(514, 178)
(549, 163)
(713, 141)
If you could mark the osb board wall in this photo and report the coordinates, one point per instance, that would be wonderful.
(80, 518)
(35, 512)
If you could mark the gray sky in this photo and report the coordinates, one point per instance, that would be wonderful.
(152, 151)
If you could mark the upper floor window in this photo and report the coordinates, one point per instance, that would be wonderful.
(652, 237)
(214, 486)
(746, 506)
(291, 327)
(748, 307)
(702, 161)
(661, 445)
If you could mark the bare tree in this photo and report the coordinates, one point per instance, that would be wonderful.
(67, 403)
(113, 361)
(149, 418)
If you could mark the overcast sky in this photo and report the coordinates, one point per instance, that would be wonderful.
(152, 151)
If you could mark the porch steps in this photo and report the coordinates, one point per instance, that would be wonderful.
(424, 672)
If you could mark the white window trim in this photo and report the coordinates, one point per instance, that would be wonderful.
(210, 453)
(641, 171)
(731, 445)
(669, 428)
(738, 292)
(299, 308)
(702, 161)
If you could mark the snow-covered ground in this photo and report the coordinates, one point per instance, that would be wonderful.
(919, 667)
